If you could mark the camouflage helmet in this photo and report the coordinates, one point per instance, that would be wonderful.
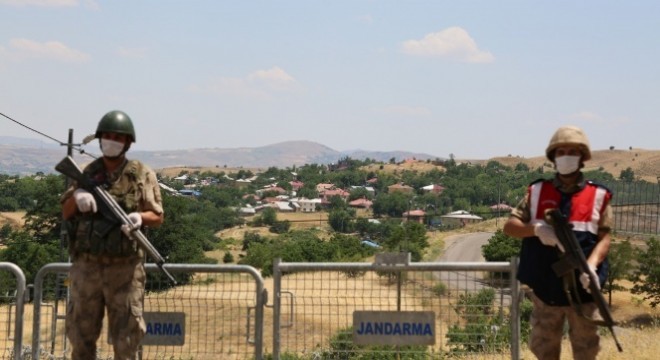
(568, 135)
(116, 122)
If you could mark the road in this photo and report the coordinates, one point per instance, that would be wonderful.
(465, 247)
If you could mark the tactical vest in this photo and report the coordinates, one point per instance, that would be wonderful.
(584, 210)
(100, 233)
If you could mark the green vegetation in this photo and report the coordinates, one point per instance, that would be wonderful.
(191, 222)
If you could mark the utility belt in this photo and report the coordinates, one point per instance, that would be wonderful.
(99, 236)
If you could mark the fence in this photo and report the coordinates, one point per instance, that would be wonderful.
(11, 309)
(221, 314)
(636, 206)
(474, 307)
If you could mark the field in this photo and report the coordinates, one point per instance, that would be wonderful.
(639, 323)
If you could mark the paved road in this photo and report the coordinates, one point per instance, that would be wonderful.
(465, 247)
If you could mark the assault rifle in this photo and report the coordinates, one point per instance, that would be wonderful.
(574, 259)
(108, 207)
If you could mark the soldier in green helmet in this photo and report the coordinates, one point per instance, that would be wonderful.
(107, 269)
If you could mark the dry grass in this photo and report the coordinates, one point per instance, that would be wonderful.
(640, 323)
(15, 219)
(176, 171)
(644, 163)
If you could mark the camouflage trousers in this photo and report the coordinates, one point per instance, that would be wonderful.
(548, 327)
(97, 284)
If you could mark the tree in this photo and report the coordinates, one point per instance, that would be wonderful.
(409, 237)
(647, 275)
(341, 220)
(627, 175)
(620, 257)
(501, 247)
(269, 216)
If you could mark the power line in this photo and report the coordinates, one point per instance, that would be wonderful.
(77, 148)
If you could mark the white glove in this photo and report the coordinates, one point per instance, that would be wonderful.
(136, 221)
(586, 280)
(84, 200)
(547, 235)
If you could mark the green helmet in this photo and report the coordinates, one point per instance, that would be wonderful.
(116, 122)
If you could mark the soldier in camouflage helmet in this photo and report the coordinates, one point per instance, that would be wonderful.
(587, 207)
(107, 269)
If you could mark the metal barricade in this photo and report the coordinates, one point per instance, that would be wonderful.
(475, 307)
(218, 314)
(11, 312)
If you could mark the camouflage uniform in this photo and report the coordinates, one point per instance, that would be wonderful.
(547, 320)
(107, 270)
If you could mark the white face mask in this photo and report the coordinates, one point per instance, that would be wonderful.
(567, 164)
(111, 148)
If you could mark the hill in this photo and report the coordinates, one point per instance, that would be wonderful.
(25, 156)
(644, 163)
(29, 157)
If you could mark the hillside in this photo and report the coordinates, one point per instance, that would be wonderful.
(645, 163)
(25, 157)
(29, 157)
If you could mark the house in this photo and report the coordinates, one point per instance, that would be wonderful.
(400, 187)
(434, 189)
(309, 205)
(296, 185)
(335, 192)
(321, 188)
(500, 208)
(460, 218)
(414, 215)
(167, 188)
(361, 203)
(190, 192)
(284, 206)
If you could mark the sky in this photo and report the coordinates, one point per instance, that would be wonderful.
(472, 79)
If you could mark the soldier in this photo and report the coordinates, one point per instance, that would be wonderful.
(587, 207)
(107, 269)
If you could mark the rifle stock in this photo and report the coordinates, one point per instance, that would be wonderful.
(574, 259)
(69, 168)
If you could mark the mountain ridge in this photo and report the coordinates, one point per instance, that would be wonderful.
(27, 156)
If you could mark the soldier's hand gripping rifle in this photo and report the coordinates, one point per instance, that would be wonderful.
(574, 259)
(109, 207)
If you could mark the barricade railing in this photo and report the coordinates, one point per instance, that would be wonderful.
(218, 314)
(11, 311)
(471, 309)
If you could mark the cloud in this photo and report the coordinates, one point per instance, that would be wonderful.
(274, 75)
(51, 50)
(260, 84)
(452, 43)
